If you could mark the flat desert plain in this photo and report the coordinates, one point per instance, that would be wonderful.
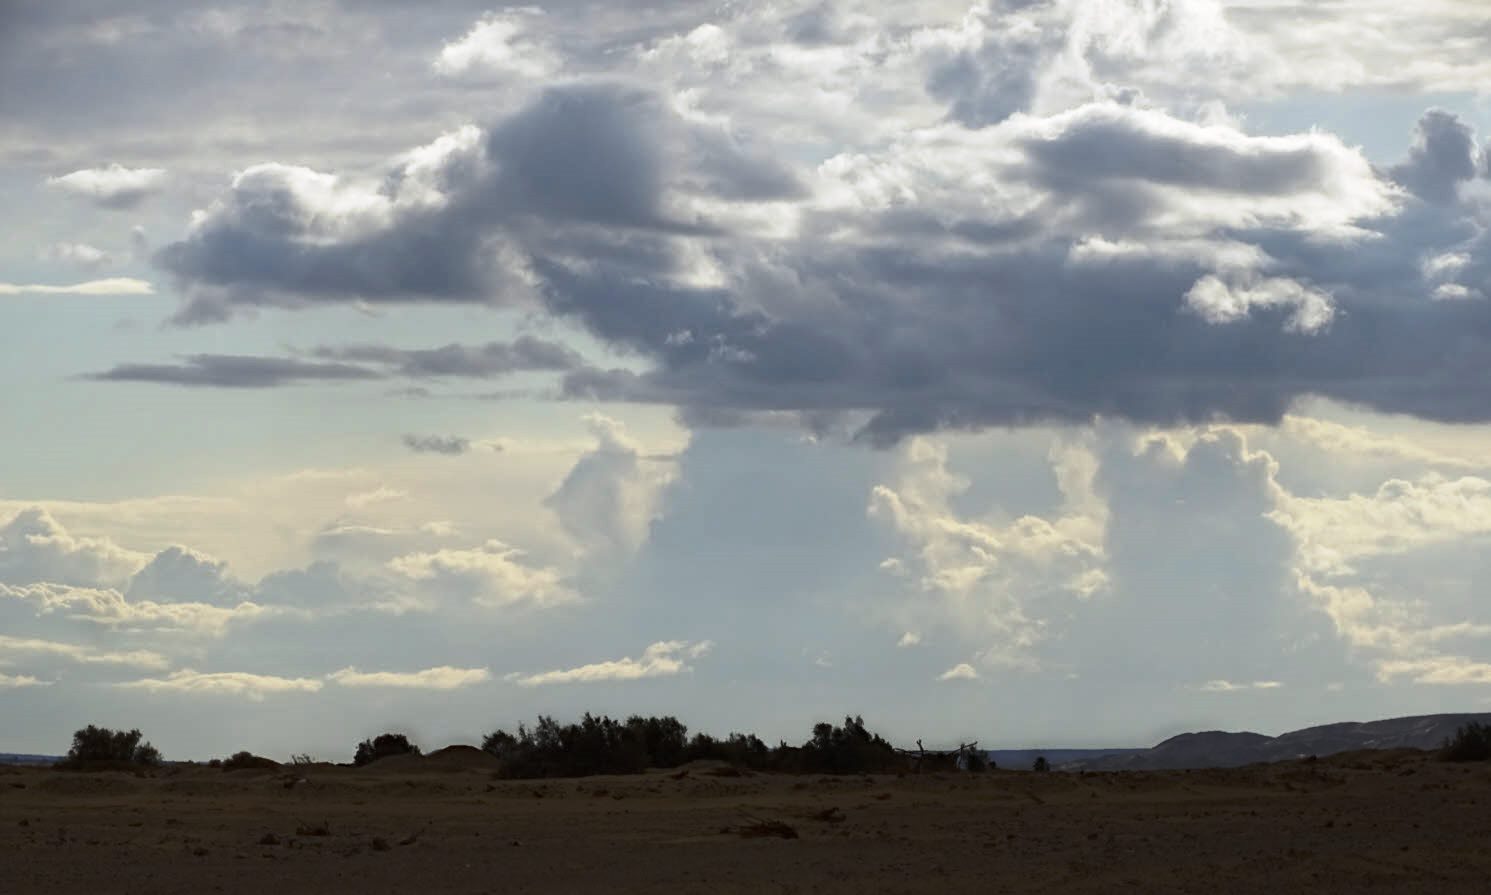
(1383, 822)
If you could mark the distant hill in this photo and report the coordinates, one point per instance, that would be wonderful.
(13, 758)
(1022, 759)
(1223, 749)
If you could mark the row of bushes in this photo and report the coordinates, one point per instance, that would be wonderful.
(594, 745)
(602, 745)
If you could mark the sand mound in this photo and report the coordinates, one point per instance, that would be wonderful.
(451, 758)
(699, 765)
(88, 785)
(462, 758)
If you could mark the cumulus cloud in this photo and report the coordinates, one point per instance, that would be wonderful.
(254, 687)
(109, 286)
(991, 579)
(443, 677)
(1197, 270)
(661, 659)
(607, 499)
(35, 548)
(180, 574)
(960, 672)
(1334, 532)
(1443, 156)
(499, 44)
(495, 575)
(109, 608)
(1221, 302)
(115, 186)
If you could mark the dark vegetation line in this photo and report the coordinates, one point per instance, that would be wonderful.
(602, 745)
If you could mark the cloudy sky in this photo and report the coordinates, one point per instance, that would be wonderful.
(1042, 371)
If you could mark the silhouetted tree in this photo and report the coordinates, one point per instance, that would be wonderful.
(100, 745)
(1041, 764)
(848, 749)
(1472, 742)
(382, 746)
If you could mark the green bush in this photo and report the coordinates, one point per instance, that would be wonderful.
(99, 746)
(1472, 742)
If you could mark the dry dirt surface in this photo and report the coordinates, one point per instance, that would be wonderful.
(1388, 822)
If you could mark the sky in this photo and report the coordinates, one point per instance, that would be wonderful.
(1040, 372)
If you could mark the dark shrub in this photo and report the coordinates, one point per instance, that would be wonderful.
(1041, 765)
(382, 746)
(99, 746)
(240, 761)
(1472, 742)
(850, 749)
(597, 745)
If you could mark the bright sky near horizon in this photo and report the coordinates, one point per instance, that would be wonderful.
(1046, 372)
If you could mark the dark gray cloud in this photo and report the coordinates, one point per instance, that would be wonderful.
(337, 363)
(583, 156)
(1444, 155)
(235, 371)
(490, 360)
(986, 85)
(1076, 299)
(451, 445)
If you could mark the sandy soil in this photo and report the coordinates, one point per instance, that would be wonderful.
(1385, 822)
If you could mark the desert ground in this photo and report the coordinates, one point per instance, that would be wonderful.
(1389, 822)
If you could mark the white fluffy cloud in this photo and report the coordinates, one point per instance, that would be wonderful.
(960, 672)
(81, 654)
(661, 659)
(1221, 302)
(112, 609)
(35, 548)
(495, 575)
(500, 44)
(114, 186)
(225, 683)
(109, 286)
(443, 677)
(1000, 578)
